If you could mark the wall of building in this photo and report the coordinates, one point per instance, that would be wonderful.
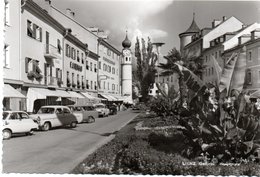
(109, 66)
(91, 75)
(210, 73)
(78, 29)
(74, 66)
(230, 25)
(253, 65)
(11, 67)
(234, 42)
(35, 49)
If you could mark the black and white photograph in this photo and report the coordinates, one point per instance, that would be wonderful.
(130, 87)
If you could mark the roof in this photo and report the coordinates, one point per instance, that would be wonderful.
(193, 27)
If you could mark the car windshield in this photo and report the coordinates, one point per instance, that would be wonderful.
(88, 108)
(100, 106)
(5, 115)
(46, 111)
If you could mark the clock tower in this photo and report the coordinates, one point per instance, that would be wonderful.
(127, 70)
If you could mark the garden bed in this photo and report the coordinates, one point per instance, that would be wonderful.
(154, 151)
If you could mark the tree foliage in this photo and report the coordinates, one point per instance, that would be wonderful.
(146, 59)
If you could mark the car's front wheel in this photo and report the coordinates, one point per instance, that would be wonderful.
(7, 134)
(46, 126)
(30, 133)
(91, 119)
(73, 124)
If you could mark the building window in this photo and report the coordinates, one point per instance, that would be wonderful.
(72, 76)
(95, 68)
(216, 55)
(7, 13)
(219, 53)
(206, 60)
(249, 77)
(67, 50)
(91, 84)
(78, 57)
(104, 85)
(87, 67)
(58, 46)
(113, 70)
(99, 64)
(250, 55)
(6, 56)
(108, 52)
(87, 86)
(104, 67)
(34, 31)
(95, 85)
(108, 85)
(212, 70)
(90, 66)
(82, 58)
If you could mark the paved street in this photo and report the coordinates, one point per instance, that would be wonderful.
(60, 150)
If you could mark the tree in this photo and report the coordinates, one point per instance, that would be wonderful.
(193, 63)
(146, 60)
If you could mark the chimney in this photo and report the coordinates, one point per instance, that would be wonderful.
(252, 35)
(224, 18)
(68, 11)
(215, 23)
(46, 6)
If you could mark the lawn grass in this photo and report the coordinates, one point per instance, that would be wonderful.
(153, 152)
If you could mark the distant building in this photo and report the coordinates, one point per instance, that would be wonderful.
(218, 46)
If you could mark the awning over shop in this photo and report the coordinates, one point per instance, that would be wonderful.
(88, 95)
(119, 98)
(108, 97)
(75, 94)
(10, 92)
(42, 93)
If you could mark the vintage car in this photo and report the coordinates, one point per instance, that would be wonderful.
(56, 116)
(89, 113)
(102, 109)
(15, 122)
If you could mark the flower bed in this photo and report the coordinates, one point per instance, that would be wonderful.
(154, 152)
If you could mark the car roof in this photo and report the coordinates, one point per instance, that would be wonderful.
(54, 106)
(14, 112)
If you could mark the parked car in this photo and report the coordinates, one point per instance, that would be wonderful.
(112, 109)
(56, 116)
(102, 109)
(15, 122)
(89, 112)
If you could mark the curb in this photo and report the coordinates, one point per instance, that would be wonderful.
(101, 143)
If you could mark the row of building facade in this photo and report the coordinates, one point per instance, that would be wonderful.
(217, 43)
(50, 58)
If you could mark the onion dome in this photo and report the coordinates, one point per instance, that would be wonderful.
(126, 43)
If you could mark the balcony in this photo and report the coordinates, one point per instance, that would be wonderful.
(52, 52)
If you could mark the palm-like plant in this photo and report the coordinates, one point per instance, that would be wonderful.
(193, 63)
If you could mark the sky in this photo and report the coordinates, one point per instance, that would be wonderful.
(161, 20)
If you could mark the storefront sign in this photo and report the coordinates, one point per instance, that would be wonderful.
(75, 66)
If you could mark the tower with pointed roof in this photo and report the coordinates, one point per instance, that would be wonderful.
(186, 37)
(127, 70)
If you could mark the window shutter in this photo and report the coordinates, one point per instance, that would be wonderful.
(60, 75)
(34, 31)
(57, 72)
(40, 34)
(26, 64)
